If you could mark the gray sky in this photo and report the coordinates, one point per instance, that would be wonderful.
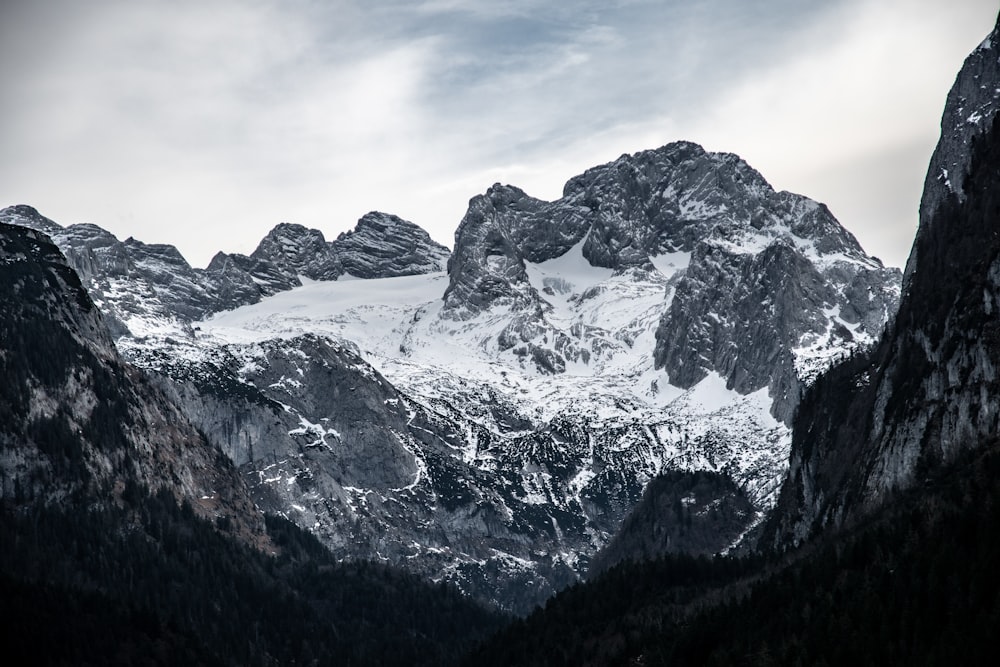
(204, 124)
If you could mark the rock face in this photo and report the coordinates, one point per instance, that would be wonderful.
(380, 246)
(77, 421)
(500, 230)
(386, 246)
(928, 391)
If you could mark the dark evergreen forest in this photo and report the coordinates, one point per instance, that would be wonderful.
(153, 584)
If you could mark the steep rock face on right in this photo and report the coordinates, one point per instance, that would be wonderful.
(929, 391)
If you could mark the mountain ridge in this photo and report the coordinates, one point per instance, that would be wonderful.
(508, 436)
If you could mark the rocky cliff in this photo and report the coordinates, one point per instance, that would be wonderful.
(874, 425)
(385, 246)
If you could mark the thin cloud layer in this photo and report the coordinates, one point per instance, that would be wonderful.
(204, 124)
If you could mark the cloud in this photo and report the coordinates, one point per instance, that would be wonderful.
(204, 124)
(853, 119)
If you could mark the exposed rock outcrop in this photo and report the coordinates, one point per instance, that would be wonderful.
(386, 246)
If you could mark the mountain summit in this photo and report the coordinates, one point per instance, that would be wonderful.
(744, 263)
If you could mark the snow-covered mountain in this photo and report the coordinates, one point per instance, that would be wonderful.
(493, 424)
(737, 261)
(142, 286)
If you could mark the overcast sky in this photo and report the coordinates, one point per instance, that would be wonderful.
(205, 123)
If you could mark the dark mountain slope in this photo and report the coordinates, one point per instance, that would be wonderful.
(151, 583)
(929, 390)
(696, 513)
(75, 420)
(128, 539)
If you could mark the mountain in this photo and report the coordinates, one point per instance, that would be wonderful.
(741, 262)
(492, 426)
(877, 424)
(128, 537)
(882, 548)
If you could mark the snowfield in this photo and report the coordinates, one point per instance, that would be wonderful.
(396, 325)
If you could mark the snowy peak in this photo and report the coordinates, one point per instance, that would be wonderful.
(151, 290)
(770, 316)
(294, 250)
(632, 210)
(27, 216)
(287, 253)
(774, 266)
(671, 198)
(380, 246)
(663, 200)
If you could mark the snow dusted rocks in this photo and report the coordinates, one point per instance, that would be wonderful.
(767, 310)
(499, 232)
(524, 474)
(151, 290)
(380, 246)
(137, 286)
